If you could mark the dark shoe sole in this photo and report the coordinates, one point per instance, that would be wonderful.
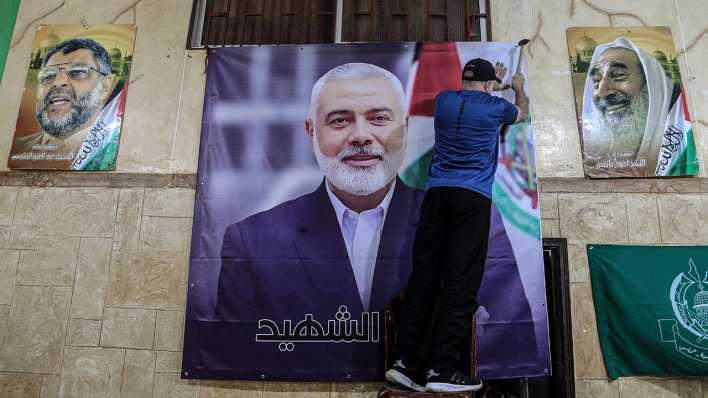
(445, 387)
(396, 377)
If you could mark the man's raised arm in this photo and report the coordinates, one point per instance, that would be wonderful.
(521, 101)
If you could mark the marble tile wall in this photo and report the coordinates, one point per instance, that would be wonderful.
(94, 306)
(82, 312)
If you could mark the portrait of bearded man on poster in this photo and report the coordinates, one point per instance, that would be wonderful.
(79, 98)
(632, 115)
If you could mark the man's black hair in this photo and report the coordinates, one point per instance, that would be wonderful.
(103, 60)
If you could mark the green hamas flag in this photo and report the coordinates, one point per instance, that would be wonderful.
(651, 305)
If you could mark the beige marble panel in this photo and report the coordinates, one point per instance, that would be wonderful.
(5, 231)
(690, 388)
(554, 125)
(355, 390)
(550, 228)
(36, 329)
(168, 330)
(586, 344)
(8, 273)
(230, 389)
(8, 198)
(128, 328)
(684, 218)
(173, 202)
(578, 263)
(20, 237)
(154, 95)
(83, 332)
(4, 317)
(596, 389)
(62, 212)
(138, 373)
(643, 219)
(694, 29)
(511, 26)
(169, 385)
(163, 233)
(128, 218)
(20, 385)
(549, 205)
(51, 386)
(54, 263)
(168, 361)
(148, 280)
(597, 218)
(91, 278)
(648, 388)
(296, 390)
(189, 122)
(91, 372)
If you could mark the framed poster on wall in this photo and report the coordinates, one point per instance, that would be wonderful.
(72, 106)
(632, 113)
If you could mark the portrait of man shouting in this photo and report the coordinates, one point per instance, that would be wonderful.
(78, 106)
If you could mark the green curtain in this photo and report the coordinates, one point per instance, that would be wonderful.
(8, 13)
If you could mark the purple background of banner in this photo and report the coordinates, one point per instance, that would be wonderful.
(254, 155)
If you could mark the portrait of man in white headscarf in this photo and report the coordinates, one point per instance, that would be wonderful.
(634, 119)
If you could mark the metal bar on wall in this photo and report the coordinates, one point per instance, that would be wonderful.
(487, 18)
(196, 25)
(338, 22)
(483, 8)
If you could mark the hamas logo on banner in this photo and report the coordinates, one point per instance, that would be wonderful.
(689, 300)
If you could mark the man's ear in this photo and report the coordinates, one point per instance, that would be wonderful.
(309, 128)
(106, 87)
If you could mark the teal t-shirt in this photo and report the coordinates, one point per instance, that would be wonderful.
(467, 127)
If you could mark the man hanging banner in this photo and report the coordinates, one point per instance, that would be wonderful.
(632, 111)
(307, 204)
(72, 107)
(652, 309)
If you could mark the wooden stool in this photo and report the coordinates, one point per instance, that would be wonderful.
(469, 362)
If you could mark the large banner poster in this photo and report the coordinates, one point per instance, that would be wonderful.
(287, 281)
(72, 106)
(631, 107)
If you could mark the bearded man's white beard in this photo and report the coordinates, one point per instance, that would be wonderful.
(359, 181)
(83, 108)
(620, 135)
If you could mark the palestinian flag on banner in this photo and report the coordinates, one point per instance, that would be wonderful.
(677, 155)
(651, 304)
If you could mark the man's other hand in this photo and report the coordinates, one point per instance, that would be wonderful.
(517, 82)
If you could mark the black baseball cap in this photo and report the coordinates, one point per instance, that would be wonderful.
(479, 70)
